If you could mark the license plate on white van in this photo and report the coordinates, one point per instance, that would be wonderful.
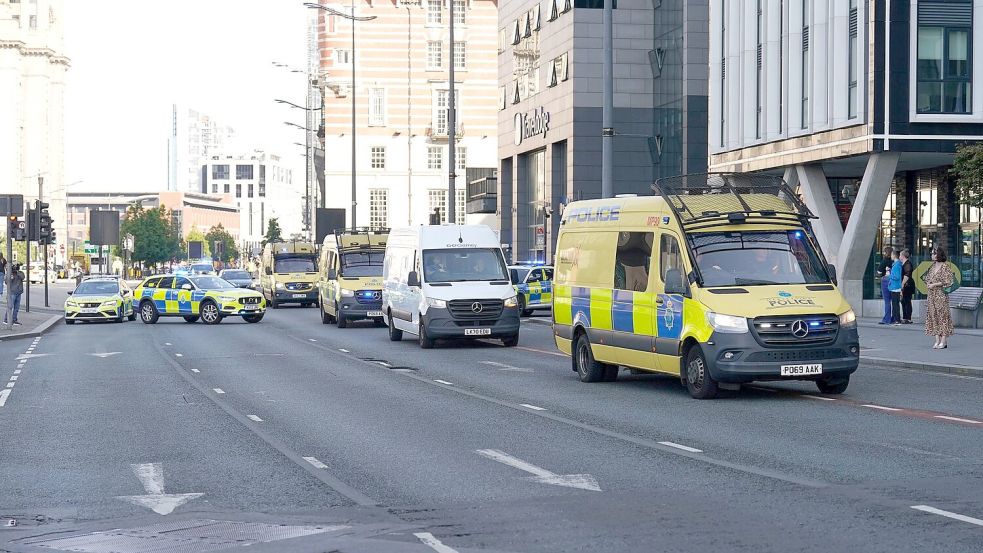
(300, 296)
(374, 314)
(477, 331)
(802, 370)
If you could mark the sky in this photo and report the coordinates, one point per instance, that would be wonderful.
(131, 60)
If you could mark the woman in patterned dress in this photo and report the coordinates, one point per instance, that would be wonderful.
(938, 320)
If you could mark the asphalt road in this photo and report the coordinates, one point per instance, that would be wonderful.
(387, 447)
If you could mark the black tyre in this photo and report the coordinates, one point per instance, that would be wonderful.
(698, 380)
(523, 312)
(253, 318)
(588, 368)
(148, 313)
(426, 342)
(379, 323)
(191, 319)
(395, 334)
(210, 315)
(611, 373)
(133, 315)
(119, 315)
(325, 317)
(273, 303)
(833, 385)
(342, 320)
(69, 322)
(511, 341)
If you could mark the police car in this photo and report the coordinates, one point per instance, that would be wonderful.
(194, 297)
(533, 287)
(100, 299)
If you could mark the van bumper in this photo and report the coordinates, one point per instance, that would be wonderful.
(751, 361)
(440, 324)
(352, 309)
(287, 296)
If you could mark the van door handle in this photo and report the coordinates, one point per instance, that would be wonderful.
(659, 301)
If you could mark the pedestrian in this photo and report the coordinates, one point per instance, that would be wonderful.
(884, 271)
(16, 282)
(938, 320)
(907, 286)
(3, 272)
(894, 286)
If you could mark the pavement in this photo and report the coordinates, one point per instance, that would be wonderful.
(907, 346)
(298, 436)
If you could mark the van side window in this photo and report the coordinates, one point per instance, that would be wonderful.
(669, 255)
(632, 260)
(535, 276)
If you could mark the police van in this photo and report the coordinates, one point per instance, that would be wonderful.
(448, 281)
(349, 278)
(288, 273)
(533, 287)
(716, 279)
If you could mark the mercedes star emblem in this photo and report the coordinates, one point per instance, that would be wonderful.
(800, 329)
(476, 307)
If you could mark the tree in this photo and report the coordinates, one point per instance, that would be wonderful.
(154, 240)
(229, 250)
(273, 232)
(968, 170)
(195, 235)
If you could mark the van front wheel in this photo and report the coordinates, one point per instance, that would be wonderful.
(588, 368)
(426, 342)
(698, 380)
(395, 334)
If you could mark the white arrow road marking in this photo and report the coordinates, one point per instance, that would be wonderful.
(31, 356)
(948, 514)
(4, 394)
(432, 542)
(504, 367)
(541, 475)
(151, 475)
(106, 354)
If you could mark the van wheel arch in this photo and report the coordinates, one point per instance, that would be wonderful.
(578, 331)
(688, 344)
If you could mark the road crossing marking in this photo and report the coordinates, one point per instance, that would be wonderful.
(167, 343)
(4, 394)
(432, 542)
(10, 384)
(948, 514)
(343, 350)
(682, 447)
(957, 419)
(541, 475)
(195, 371)
(446, 383)
(218, 390)
(312, 339)
(178, 355)
(17, 371)
(881, 407)
(315, 463)
(14, 378)
(533, 407)
(254, 418)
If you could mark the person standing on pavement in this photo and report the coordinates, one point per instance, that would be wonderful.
(3, 272)
(907, 286)
(16, 283)
(884, 271)
(894, 286)
(938, 320)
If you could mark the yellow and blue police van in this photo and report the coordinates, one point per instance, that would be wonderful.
(100, 299)
(288, 273)
(194, 297)
(716, 279)
(349, 280)
(533, 287)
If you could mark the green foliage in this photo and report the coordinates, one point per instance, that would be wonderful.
(968, 170)
(154, 238)
(273, 232)
(218, 234)
(19, 249)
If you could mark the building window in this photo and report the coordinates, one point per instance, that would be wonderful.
(944, 74)
(435, 11)
(460, 11)
(434, 54)
(225, 188)
(377, 106)
(33, 22)
(438, 201)
(806, 81)
(759, 109)
(342, 56)
(378, 159)
(250, 190)
(460, 55)
(459, 192)
(852, 63)
(435, 157)
(379, 208)
(440, 112)
(220, 171)
(239, 190)
(214, 188)
(262, 190)
(461, 157)
(244, 172)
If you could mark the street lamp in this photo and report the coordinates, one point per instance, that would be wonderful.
(353, 18)
(309, 186)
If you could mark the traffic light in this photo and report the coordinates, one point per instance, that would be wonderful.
(44, 222)
(16, 228)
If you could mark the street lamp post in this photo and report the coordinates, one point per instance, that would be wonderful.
(309, 185)
(353, 18)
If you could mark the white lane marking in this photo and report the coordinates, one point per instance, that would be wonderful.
(312, 339)
(948, 514)
(957, 419)
(432, 542)
(343, 350)
(179, 355)
(254, 418)
(106, 354)
(195, 371)
(541, 475)
(14, 378)
(438, 381)
(315, 463)
(504, 367)
(218, 390)
(810, 396)
(26, 356)
(151, 476)
(167, 343)
(384, 364)
(881, 407)
(533, 407)
(17, 371)
(4, 394)
(682, 447)
(10, 384)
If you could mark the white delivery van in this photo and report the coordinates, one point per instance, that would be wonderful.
(448, 281)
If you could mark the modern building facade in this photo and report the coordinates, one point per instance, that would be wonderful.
(261, 187)
(33, 66)
(550, 55)
(401, 75)
(861, 105)
(194, 137)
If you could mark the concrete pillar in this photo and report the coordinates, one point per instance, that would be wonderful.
(858, 239)
(819, 200)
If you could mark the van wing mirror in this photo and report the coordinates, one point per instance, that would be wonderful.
(332, 274)
(413, 279)
(186, 286)
(674, 282)
(831, 269)
(269, 271)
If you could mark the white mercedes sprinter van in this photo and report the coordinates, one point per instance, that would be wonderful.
(448, 281)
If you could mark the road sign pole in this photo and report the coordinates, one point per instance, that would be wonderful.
(27, 262)
(7, 312)
(45, 275)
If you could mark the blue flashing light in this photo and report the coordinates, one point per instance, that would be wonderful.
(814, 323)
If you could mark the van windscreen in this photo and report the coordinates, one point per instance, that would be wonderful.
(464, 264)
(362, 264)
(294, 265)
(757, 258)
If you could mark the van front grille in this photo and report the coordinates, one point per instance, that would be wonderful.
(475, 310)
(796, 330)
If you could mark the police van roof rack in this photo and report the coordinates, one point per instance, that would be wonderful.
(705, 200)
(355, 231)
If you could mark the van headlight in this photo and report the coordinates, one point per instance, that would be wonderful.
(434, 302)
(279, 286)
(729, 324)
(347, 293)
(511, 302)
(848, 319)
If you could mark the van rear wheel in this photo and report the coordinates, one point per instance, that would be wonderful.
(588, 368)
(698, 380)
(395, 334)
(833, 385)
